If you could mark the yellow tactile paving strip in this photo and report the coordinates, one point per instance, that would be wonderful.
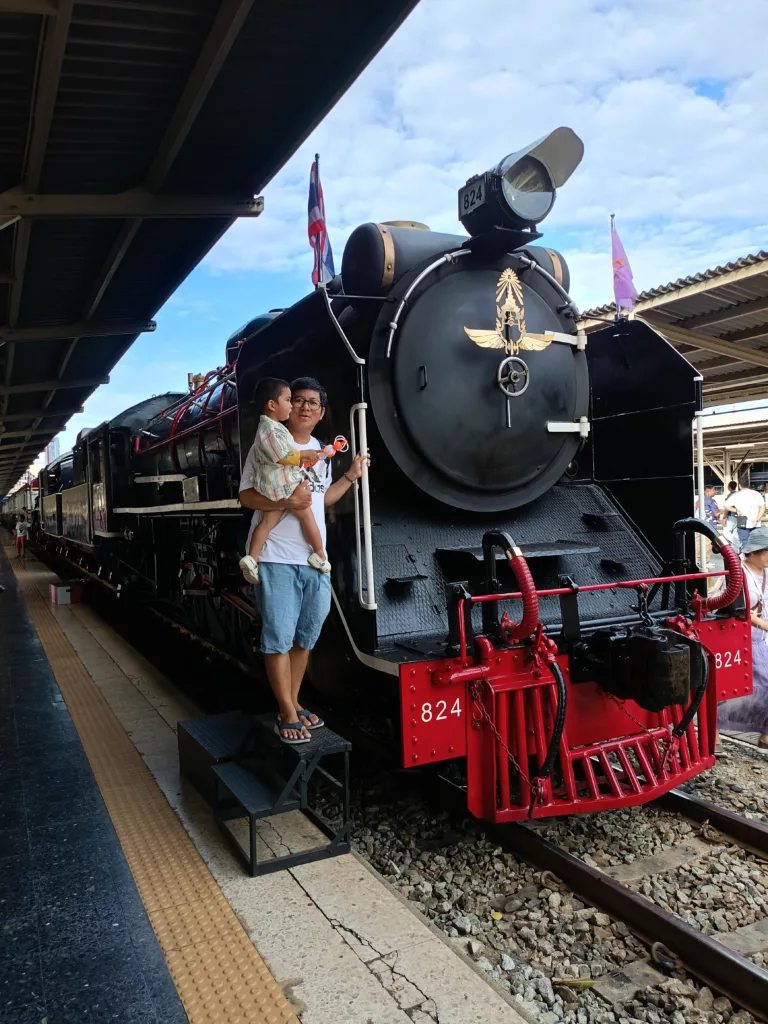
(218, 973)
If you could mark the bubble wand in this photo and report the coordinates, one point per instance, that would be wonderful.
(340, 444)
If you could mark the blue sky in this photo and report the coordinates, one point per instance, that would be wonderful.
(669, 99)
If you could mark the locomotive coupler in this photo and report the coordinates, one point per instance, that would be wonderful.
(653, 666)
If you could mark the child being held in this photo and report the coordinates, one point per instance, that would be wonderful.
(279, 471)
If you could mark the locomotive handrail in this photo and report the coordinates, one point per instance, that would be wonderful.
(620, 584)
(340, 330)
(364, 545)
(224, 375)
(214, 418)
(448, 257)
(533, 265)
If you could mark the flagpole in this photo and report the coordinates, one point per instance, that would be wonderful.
(613, 228)
(318, 248)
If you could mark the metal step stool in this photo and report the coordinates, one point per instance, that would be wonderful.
(207, 741)
(270, 777)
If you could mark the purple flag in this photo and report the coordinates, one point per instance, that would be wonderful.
(623, 285)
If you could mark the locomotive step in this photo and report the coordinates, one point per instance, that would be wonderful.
(252, 793)
(208, 741)
(323, 742)
(270, 777)
(599, 520)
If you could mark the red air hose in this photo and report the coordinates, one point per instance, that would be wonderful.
(734, 580)
(510, 630)
(530, 620)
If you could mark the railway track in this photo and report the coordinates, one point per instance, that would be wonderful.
(711, 961)
(754, 751)
(720, 967)
(752, 835)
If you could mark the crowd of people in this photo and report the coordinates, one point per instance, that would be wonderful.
(740, 511)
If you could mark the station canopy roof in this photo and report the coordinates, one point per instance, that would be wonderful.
(132, 133)
(718, 319)
(729, 446)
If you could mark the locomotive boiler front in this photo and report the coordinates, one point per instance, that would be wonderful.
(478, 379)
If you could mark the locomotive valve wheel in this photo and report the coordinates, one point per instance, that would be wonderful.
(512, 376)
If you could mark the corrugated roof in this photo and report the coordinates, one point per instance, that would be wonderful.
(683, 282)
(138, 103)
(718, 319)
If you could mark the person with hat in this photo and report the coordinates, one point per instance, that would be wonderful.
(750, 714)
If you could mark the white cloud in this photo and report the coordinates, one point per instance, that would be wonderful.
(669, 99)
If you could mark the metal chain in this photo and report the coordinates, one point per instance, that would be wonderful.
(668, 743)
(486, 717)
(620, 704)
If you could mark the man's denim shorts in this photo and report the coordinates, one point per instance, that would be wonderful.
(294, 601)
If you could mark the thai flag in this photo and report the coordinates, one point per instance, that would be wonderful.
(323, 271)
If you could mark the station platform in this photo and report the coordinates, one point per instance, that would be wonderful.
(120, 900)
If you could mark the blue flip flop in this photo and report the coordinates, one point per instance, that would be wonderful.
(280, 727)
(305, 714)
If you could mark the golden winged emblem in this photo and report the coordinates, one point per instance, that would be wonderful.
(510, 333)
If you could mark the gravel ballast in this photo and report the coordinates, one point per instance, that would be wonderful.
(547, 947)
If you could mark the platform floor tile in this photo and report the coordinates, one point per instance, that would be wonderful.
(69, 953)
(91, 923)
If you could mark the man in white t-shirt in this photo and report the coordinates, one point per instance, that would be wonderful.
(294, 598)
(748, 503)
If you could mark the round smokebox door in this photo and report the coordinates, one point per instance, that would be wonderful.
(476, 382)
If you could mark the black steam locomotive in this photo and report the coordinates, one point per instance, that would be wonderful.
(507, 587)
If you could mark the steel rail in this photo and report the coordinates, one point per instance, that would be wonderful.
(750, 834)
(720, 967)
(754, 751)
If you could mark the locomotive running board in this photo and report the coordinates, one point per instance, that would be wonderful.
(188, 506)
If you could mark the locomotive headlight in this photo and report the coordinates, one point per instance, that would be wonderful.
(520, 191)
(527, 189)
